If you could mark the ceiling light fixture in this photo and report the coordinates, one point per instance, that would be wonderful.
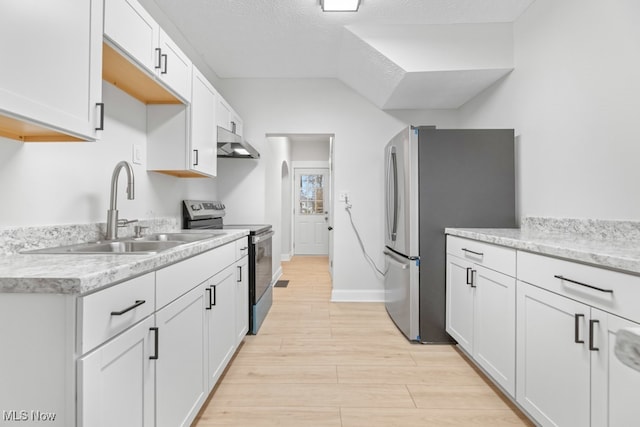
(340, 5)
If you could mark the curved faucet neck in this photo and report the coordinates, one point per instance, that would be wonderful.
(114, 183)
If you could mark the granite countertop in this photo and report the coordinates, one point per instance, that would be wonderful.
(616, 251)
(82, 273)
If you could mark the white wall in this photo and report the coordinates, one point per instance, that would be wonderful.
(69, 183)
(321, 106)
(574, 99)
(310, 150)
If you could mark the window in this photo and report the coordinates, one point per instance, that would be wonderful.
(311, 194)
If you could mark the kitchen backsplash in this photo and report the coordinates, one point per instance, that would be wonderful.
(16, 239)
(587, 228)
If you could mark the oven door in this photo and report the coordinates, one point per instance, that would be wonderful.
(263, 261)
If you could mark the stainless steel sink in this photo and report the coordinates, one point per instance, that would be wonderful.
(149, 244)
(178, 237)
(110, 247)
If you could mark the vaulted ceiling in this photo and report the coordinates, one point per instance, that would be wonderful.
(397, 53)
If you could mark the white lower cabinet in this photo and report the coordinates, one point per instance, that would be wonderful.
(242, 298)
(480, 308)
(221, 333)
(614, 386)
(180, 367)
(553, 357)
(117, 381)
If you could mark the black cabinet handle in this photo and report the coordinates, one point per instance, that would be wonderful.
(469, 276)
(196, 154)
(156, 345)
(474, 274)
(214, 295)
(592, 347)
(473, 252)
(138, 303)
(101, 125)
(164, 70)
(576, 337)
(159, 56)
(240, 274)
(209, 299)
(557, 276)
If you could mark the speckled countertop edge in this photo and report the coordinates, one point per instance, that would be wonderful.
(616, 253)
(80, 274)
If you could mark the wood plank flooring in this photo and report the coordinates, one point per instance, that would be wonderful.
(315, 363)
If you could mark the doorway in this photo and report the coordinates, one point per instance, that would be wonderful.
(311, 211)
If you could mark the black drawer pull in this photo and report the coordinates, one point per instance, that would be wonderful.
(591, 346)
(208, 290)
(576, 338)
(156, 345)
(557, 276)
(138, 303)
(473, 252)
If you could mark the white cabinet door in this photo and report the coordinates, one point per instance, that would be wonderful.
(116, 382)
(223, 113)
(614, 386)
(494, 329)
(51, 72)
(130, 27)
(460, 301)
(553, 357)
(175, 67)
(180, 367)
(220, 303)
(203, 129)
(242, 299)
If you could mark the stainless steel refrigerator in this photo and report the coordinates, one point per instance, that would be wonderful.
(437, 178)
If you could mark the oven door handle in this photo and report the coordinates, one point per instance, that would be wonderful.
(262, 237)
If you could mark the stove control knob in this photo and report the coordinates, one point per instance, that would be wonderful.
(196, 207)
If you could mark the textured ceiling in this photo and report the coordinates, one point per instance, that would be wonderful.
(295, 39)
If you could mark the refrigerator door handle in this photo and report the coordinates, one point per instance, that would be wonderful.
(392, 183)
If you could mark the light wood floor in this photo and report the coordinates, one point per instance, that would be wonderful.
(315, 363)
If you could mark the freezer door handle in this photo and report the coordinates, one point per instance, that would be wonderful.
(401, 261)
(392, 190)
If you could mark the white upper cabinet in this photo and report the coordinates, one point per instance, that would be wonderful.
(51, 72)
(130, 28)
(227, 118)
(128, 25)
(175, 66)
(182, 139)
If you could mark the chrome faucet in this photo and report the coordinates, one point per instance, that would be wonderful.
(112, 214)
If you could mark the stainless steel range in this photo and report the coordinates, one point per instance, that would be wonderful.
(200, 214)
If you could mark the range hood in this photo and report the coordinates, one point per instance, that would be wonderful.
(231, 145)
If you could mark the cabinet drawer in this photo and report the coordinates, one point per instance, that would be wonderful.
(106, 313)
(180, 278)
(497, 258)
(242, 247)
(611, 291)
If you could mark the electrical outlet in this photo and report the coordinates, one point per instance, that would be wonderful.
(137, 154)
(344, 196)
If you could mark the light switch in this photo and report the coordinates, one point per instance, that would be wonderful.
(137, 154)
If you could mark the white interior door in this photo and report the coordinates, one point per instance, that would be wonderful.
(311, 215)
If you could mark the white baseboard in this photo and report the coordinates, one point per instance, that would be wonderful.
(286, 257)
(277, 275)
(370, 295)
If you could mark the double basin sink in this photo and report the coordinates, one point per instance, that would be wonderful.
(150, 244)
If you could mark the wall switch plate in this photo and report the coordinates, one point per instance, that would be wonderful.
(137, 154)
(343, 196)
